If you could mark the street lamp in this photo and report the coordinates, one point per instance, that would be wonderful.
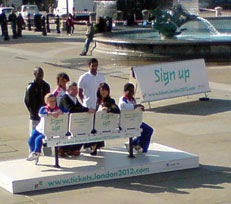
(67, 7)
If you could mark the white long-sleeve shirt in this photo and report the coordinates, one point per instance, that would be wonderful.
(126, 104)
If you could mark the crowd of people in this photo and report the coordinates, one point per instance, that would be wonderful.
(17, 24)
(94, 95)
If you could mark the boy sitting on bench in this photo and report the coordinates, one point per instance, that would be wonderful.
(37, 135)
(128, 102)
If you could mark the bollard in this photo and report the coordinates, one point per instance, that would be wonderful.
(44, 32)
(57, 22)
(29, 22)
(38, 22)
(48, 24)
(218, 11)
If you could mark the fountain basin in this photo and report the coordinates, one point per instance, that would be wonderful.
(147, 44)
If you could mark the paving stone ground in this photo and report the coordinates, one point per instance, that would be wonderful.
(198, 127)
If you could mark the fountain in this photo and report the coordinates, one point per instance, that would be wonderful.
(177, 35)
(167, 22)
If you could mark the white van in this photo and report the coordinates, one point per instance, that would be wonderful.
(28, 9)
(73, 6)
(7, 11)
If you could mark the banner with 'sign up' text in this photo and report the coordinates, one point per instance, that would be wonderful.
(170, 80)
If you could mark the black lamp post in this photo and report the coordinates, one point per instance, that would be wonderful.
(67, 7)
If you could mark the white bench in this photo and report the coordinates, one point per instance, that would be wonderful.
(79, 128)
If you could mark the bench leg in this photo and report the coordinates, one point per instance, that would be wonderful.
(56, 158)
(131, 155)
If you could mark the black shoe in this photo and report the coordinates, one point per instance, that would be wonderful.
(95, 147)
(82, 54)
(94, 153)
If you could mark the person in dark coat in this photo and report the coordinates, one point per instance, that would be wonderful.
(34, 96)
(69, 25)
(20, 24)
(3, 21)
(70, 103)
(104, 103)
(13, 20)
(34, 100)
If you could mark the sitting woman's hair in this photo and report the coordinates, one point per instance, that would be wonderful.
(103, 86)
(47, 96)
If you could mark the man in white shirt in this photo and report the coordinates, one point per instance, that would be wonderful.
(88, 84)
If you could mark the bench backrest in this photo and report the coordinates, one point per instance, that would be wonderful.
(106, 122)
(81, 124)
(130, 121)
(56, 127)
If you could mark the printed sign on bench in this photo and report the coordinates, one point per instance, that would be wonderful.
(56, 127)
(130, 121)
(106, 122)
(81, 124)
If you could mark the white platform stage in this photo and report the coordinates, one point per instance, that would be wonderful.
(20, 175)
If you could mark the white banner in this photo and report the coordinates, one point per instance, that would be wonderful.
(170, 80)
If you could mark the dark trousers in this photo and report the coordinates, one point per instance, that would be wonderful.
(13, 27)
(145, 138)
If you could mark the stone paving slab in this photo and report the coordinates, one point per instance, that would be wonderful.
(208, 136)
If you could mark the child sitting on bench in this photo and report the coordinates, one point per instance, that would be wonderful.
(128, 102)
(37, 135)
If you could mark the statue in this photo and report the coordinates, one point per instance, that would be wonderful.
(168, 21)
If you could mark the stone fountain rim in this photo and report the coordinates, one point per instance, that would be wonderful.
(111, 38)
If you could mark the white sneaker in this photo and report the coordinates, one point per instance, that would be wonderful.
(138, 148)
(36, 161)
(33, 156)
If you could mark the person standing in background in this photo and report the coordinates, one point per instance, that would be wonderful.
(34, 96)
(34, 99)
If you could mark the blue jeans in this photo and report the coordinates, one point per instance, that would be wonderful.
(87, 44)
(145, 138)
(35, 141)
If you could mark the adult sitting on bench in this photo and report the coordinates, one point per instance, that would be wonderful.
(70, 103)
(104, 103)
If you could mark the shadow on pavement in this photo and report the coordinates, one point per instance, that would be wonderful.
(174, 182)
(38, 38)
(201, 108)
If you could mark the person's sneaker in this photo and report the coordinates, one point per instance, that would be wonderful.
(36, 161)
(138, 148)
(33, 156)
(82, 54)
